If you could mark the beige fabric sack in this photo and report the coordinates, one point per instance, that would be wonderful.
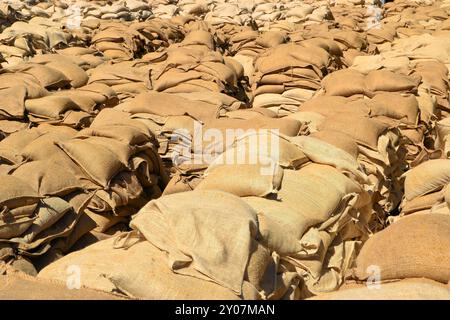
(427, 177)
(415, 246)
(243, 180)
(214, 254)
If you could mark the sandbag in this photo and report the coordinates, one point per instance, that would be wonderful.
(427, 177)
(416, 246)
(191, 254)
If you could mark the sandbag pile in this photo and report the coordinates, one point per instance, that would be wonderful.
(58, 193)
(193, 66)
(119, 41)
(51, 89)
(285, 187)
(24, 39)
(287, 76)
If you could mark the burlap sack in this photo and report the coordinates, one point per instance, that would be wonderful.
(427, 177)
(413, 247)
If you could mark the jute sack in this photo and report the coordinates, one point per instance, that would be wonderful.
(364, 130)
(338, 139)
(15, 193)
(396, 106)
(322, 152)
(423, 202)
(258, 146)
(50, 210)
(415, 246)
(385, 80)
(33, 87)
(165, 104)
(76, 75)
(427, 177)
(52, 107)
(312, 120)
(106, 164)
(12, 102)
(48, 179)
(308, 197)
(243, 179)
(48, 77)
(407, 289)
(220, 254)
(344, 83)
(140, 270)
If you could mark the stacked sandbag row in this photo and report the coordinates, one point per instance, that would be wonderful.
(23, 39)
(193, 65)
(51, 89)
(174, 117)
(288, 75)
(65, 184)
(387, 124)
(127, 10)
(124, 42)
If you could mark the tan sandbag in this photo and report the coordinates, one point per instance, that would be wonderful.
(48, 212)
(77, 76)
(50, 106)
(125, 133)
(407, 289)
(14, 227)
(427, 177)
(258, 148)
(105, 166)
(308, 197)
(364, 130)
(423, 202)
(413, 247)
(288, 127)
(164, 104)
(193, 256)
(243, 179)
(397, 106)
(345, 83)
(322, 152)
(48, 179)
(48, 77)
(338, 139)
(12, 102)
(385, 80)
(15, 192)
